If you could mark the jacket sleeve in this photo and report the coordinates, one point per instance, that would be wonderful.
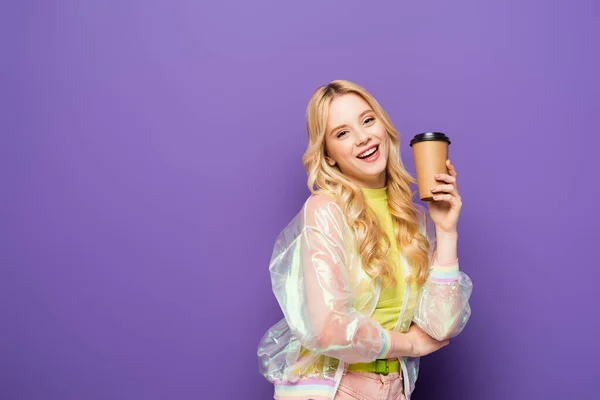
(311, 283)
(443, 305)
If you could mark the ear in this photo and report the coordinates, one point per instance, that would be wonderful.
(329, 160)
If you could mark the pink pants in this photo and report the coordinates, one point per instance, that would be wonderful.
(371, 386)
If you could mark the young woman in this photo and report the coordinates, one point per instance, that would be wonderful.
(367, 280)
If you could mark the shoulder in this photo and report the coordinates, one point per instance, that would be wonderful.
(320, 201)
(421, 211)
(322, 209)
(426, 224)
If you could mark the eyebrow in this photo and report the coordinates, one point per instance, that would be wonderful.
(359, 117)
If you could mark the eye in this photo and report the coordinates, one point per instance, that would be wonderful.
(340, 134)
(370, 119)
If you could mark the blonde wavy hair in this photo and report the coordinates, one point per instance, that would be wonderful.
(324, 178)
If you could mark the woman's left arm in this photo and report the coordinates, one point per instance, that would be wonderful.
(443, 306)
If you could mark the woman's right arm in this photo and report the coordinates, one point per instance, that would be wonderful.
(310, 280)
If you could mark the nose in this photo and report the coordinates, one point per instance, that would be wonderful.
(362, 138)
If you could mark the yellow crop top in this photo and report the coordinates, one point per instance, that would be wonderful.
(391, 297)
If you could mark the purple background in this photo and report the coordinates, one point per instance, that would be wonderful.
(151, 152)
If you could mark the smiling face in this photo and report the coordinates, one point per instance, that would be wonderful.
(356, 141)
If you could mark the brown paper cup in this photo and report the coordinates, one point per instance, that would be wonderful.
(430, 150)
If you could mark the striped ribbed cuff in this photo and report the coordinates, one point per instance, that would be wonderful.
(446, 272)
(388, 344)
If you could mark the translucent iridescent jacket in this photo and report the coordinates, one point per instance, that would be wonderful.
(327, 300)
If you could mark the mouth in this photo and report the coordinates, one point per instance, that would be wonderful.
(370, 154)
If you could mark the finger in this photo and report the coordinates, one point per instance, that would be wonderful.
(448, 198)
(445, 178)
(443, 188)
(440, 344)
(451, 168)
(444, 343)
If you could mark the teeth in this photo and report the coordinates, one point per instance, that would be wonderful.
(368, 152)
